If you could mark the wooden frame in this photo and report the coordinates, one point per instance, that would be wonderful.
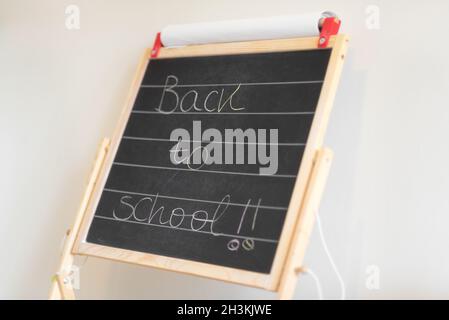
(304, 201)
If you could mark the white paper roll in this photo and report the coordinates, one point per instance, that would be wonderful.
(291, 26)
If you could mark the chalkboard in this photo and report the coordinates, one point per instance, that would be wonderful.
(231, 213)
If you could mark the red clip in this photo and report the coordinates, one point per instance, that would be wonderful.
(156, 46)
(329, 28)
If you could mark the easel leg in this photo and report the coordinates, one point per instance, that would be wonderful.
(304, 226)
(61, 287)
(65, 288)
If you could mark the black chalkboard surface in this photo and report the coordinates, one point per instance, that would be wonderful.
(227, 214)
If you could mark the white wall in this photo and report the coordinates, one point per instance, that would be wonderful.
(387, 200)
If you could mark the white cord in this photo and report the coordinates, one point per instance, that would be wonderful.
(62, 243)
(84, 262)
(317, 282)
(331, 260)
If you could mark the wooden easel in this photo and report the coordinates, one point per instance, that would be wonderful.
(61, 287)
(304, 203)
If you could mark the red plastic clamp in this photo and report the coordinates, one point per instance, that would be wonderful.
(329, 28)
(156, 46)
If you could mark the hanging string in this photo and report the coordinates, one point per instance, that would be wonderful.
(331, 260)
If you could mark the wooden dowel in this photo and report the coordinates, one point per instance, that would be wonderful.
(314, 191)
(61, 287)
